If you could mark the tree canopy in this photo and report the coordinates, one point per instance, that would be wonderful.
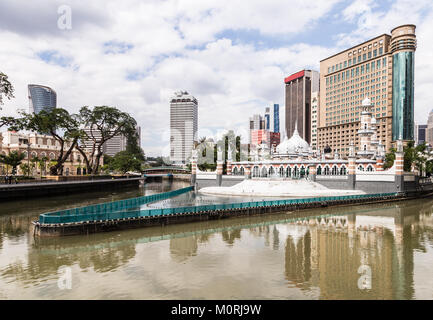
(12, 159)
(6, 88)
(99, 125)
(64, 127)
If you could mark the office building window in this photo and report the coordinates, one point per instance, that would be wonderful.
(364, 56)
(375, 53)
(380, 50)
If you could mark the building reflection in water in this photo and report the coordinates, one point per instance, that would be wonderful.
(327, 252)
(322, 254)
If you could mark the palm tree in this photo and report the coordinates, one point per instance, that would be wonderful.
(13, 159)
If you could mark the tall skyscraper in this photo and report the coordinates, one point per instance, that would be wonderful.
(420, 134)
(299, 87)
(429, 130)
(41, 98)
(267, 119)
(276, 118)
(380, 69)
(183, 126)
(314, 118)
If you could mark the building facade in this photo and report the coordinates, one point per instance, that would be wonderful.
(276, 119)
(183, 126)
(314, 118)
(429, 132)
(41, 98)
(38, 146)
(299, 87)
(420, 134)
(380, 69)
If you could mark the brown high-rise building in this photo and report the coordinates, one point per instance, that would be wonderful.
(299, 87)
(368, 70)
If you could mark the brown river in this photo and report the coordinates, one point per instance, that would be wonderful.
(382, 251)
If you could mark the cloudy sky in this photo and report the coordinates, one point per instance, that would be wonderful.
(232, 55)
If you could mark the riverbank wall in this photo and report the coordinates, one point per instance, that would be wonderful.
(36, 190)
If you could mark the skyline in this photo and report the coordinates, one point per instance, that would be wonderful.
(232, 60)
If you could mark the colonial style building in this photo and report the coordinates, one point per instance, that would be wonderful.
(36, 145)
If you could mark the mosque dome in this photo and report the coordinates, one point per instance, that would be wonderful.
(366, 102)
(293, 145)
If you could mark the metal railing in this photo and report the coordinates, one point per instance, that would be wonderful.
(94, 212)
(126, 209)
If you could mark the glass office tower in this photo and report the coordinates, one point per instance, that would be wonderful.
(403, 46)
(41, 98)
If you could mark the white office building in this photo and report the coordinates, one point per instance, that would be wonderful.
(183, 126)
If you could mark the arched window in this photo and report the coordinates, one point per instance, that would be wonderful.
(235, 171)
(52, 155)
(319, 170)
(365, 147)
(343, 171)
(43, 154)
(334, 171)
(78, 171)
(25, 154)
(370, 168)
(302, 171)
(242, 171)
(281, 171)
(295, 171)
(34, 154)
(256, 171)
(271, 171)
(326, 171)
(264, 172)
(288, 171)
(361, 168)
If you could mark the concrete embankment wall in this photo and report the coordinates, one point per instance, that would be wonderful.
(226, 182)
(367, 186)
(27, 191)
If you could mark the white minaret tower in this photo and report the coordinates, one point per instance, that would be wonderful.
(367, 130)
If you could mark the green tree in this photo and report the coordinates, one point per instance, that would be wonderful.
(6, 88)
(26, 169)
(124, 161)
(103, 123)
(13, 159)
(416, 156)
(62, 126)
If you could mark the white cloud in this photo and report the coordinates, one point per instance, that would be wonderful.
(174, 45)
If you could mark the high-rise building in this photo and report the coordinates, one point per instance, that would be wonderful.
(429, 130)
(41, 98)
(299, 87)
(112, 146)
(420, 133)
(267, 119)
(381, 69)
(183, 126)
(276, 118)
(314, 118)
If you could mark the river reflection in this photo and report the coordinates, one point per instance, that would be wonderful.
(314, 254)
